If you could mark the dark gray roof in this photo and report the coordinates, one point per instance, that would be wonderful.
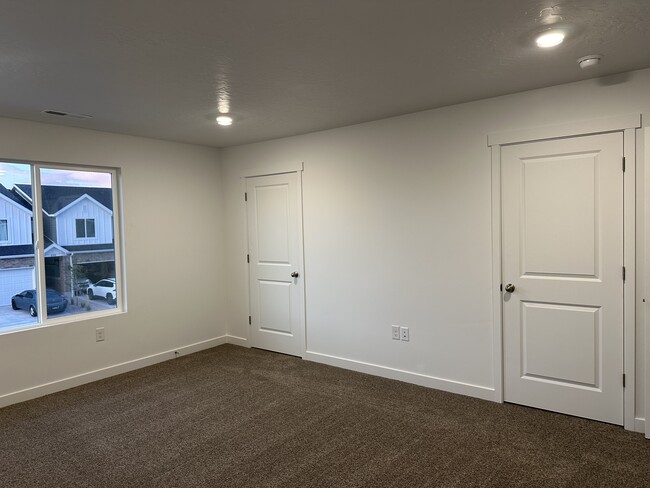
(89, 247)
(57, 197)
(15, 198)
(24, 250)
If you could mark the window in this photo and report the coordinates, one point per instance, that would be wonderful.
(47, 274)
(4, 230)
(85, 228)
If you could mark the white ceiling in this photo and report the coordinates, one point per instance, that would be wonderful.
(160, 68)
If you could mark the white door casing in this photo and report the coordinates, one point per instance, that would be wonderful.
(562, 245)
(276, 292)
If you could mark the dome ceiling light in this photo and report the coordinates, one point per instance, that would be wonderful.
(224, 120)
(550, 38)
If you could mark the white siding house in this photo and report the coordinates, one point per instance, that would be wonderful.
(96, 222)
(16, 254)
(15, 223)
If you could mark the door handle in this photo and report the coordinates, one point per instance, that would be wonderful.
(510, 288)
(294, 274)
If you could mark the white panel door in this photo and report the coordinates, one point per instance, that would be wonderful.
(275, 263)
(562, 204)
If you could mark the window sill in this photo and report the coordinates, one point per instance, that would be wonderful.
(62, 320)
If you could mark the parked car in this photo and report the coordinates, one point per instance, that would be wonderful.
(104, 288)
(26, 300)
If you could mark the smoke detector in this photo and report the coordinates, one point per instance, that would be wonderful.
(589, 61)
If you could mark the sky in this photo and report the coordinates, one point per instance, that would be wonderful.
(17, 173)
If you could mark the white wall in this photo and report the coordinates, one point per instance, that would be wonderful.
(397, 230)
(172, 230)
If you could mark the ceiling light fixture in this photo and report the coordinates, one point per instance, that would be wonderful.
(224, 120)
(550, 39)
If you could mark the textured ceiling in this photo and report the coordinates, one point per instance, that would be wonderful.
(162, 68)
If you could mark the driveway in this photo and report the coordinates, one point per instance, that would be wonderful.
(14, 318)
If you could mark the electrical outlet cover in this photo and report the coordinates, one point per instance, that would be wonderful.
(396, 332)
(404, 333)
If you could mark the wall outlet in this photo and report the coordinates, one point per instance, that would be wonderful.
(99, 334)
(395, 332)
(404, 333)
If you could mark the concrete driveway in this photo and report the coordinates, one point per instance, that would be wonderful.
(15, 318)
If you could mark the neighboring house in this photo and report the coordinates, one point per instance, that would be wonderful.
(78, 231)
(16, 249)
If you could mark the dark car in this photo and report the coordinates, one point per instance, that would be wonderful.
(26, 300)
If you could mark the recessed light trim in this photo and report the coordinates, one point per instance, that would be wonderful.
(550, 39)
(224, 120)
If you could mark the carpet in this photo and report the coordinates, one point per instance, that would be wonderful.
(236, 417)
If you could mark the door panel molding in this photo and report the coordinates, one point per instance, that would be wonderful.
(626, 124)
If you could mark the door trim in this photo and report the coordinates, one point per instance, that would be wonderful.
(645, 280)
(571, 129)
(275, 170)
(627, 124)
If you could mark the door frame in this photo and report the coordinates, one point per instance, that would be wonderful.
(627, 125)
(270, 170)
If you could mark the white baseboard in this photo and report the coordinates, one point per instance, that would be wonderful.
(98, 374)
(237, 341)
(406, 376)
(639, 425)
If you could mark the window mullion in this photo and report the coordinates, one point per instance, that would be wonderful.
(39, 244)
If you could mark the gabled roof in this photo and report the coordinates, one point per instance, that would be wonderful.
(55, 250)
(15, 198)
(56, 198)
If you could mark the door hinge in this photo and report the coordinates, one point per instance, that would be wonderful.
(623, 380)
(623, 273)
(245, 196)
(250, 320)
(623, 164)
(248, 258)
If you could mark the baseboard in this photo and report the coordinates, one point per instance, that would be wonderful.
(237, 341)
(98, 374)
(639, 425)
(401, 375)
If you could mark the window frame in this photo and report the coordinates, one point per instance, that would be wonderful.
(39, 246)
(85, 226)
(8, 239)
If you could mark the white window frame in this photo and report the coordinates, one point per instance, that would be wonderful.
(85, 236)
(39, 247)
(8, 239)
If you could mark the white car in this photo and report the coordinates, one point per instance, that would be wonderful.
(103, 288)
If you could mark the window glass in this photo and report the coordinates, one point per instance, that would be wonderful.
(4, 230)
(80, 242)
(17, 273)
(90, 228)
(81, 228)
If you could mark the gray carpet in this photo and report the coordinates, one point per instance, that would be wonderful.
(231, 417)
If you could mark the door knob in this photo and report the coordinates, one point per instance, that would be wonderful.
(510, 287)
(294, 274)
